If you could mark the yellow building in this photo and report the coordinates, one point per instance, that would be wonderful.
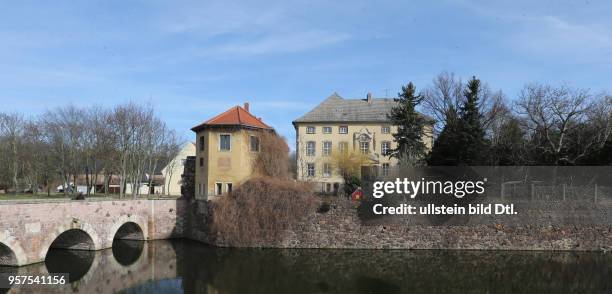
(338, 124)
(226, 146)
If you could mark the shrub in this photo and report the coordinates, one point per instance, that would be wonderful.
(261, 211)
(273, 158)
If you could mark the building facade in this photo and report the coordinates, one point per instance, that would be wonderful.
(173, 171)
(344, 125)
(226, 146)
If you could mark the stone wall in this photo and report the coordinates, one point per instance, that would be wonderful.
(29, 229)
(340, 227)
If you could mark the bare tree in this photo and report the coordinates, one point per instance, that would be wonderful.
(559, 118)
(445, 95)
(11, 130)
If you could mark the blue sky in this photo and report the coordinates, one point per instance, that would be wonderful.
(194, 59)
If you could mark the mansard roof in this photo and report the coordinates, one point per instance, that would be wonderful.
(337, 109)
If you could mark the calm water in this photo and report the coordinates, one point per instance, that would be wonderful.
(190, 267)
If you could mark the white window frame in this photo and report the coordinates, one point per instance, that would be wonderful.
(309, 128)
(314, 170)
(340, 130)
(382, 148)
(327, 130)
(227, 187)
(385, 169)
(230, 142)
(311, 151)
(326, 151)
(327, 170)
(362, 150)
(387, 128)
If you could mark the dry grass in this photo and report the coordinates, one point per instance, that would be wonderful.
(261, 211)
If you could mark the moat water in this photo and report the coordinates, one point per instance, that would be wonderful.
(190, 267)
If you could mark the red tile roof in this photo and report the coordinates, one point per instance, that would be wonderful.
(235, 116)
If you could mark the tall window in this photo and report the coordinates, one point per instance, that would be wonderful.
(201, 143)
(385, 169)
(327, 130)
(228, 187)
(364, 147)
(343, 129)
(225, 143)
(310, 169)
(327, 147)
(385, 130)
(218, 188)
(310, 148)
(310, 130)
(343, 147)
(385, 147)
(327, 170)
(254, 143)
(201, 161)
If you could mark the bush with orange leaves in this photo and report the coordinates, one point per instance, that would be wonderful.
(261, 211)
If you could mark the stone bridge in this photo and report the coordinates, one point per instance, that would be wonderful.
(29, 229)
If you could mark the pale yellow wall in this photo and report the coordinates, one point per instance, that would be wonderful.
(173, 171)
(234, 166)
(374, 129)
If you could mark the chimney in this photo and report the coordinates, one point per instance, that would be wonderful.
(369, 97)
(246, 106)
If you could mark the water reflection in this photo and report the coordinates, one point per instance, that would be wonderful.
(74, 262)
(127, 252)
(190, 267)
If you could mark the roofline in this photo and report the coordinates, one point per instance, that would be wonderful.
(237, 107)
(431, 121)
(244, 126)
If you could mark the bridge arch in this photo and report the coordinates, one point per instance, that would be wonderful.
(72, 234)
(7, 256)
(129, 227)
(11, 253)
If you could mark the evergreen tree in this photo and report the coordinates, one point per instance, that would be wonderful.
(409, 137)
(475, 147)
(444, 150)
(462, 140)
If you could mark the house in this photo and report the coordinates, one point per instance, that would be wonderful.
(344, 125)
(174, 169)
(114, 184)
(227, 145)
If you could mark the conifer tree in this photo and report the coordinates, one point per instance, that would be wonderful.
(475, 148)
(462, 140)
(444, 149)
(409, 137)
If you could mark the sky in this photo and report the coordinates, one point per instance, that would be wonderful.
(194, 59)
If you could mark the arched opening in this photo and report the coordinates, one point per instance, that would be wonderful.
(74, 239)
(127, 243)
(7, 256)
(129, 231)
(71, 252)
